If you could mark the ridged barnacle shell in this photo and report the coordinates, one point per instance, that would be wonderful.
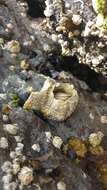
(56, 101)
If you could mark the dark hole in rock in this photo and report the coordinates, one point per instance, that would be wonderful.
(56, 173)
(23, 97)
(32, 54)
(96, 81)
(36, 8)
(44, 69)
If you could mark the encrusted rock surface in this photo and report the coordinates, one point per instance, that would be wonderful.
(58, 150)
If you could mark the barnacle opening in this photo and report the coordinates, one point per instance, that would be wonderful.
(61, 93)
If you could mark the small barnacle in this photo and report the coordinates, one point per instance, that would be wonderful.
(78, 145)
(9, 186)
(76, 18)
(57, 142)
(56, 101)
(6, 109)
(7, 167)
(103, 119)
(16, 168)
(6, 179)
(61, 185)
(5, 117)
(98, 150)
(3, 143)
(66, 23)
(13, 46)
(36, 147)
(26, 176)
(10, 26)
(24, 65)
(11, 128)
(95, 138)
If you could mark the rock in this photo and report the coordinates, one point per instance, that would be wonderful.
(34, 128)
(36, 131)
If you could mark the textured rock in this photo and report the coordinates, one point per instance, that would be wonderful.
(51, 168)
(55, 162)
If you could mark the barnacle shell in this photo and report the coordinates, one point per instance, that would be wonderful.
(56, 101)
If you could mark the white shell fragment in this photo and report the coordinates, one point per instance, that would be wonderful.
(56, 101)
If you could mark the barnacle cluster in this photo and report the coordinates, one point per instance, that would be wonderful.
(56, 101)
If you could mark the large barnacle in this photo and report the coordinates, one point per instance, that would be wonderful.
(56, 101)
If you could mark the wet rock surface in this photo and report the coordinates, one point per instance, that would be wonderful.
(33, 130)
(51, 154)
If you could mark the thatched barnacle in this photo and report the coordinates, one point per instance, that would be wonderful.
(56, 101)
